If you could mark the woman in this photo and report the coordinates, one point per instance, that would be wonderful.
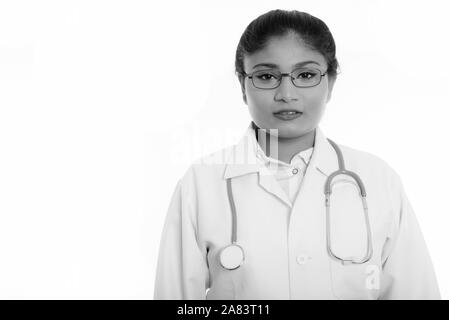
(263, 224)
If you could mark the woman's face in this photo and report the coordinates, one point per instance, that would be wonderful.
(286, 52)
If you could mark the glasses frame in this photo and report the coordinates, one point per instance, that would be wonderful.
(250, 76)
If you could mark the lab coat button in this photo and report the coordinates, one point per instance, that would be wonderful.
(302, 259)
(295, 171)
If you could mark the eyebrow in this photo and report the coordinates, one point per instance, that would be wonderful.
(272, 65)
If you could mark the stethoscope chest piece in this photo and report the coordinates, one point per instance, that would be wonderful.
(232, 256)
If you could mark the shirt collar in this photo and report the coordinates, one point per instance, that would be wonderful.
(243, 157)
(267, 160)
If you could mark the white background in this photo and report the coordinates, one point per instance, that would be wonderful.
(104, 104)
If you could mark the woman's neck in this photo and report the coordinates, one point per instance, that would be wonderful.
(287, 147)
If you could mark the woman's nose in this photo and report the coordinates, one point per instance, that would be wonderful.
(286, 90)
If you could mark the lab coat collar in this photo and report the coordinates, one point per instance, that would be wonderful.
(243, 159)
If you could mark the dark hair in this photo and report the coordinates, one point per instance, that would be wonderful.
(313, 31)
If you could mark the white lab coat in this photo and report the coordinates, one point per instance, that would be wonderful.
(285, 245)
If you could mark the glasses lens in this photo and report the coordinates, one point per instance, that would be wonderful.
(266, 79)
(306, 77)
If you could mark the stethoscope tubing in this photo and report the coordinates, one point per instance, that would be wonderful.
(327, 192)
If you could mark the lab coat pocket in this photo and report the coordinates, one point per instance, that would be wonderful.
(223, 287)
(355, 281)
(349, 241)
(222, 280)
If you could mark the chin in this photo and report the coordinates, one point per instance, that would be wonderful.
(290, 134)
(287, 132)
(287, 129)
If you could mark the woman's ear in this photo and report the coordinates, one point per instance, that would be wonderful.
(242, 86)
(330, 87)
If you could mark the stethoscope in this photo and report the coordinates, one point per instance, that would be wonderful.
(233, 255)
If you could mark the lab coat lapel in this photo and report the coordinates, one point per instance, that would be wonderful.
(243, 160)
(269, 183)
(310, 198)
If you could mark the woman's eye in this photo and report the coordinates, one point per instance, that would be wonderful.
(265, 76)
(306, 75)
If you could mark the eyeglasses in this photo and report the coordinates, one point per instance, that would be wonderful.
(271, 79)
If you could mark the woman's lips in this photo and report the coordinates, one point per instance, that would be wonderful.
(287, 114)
